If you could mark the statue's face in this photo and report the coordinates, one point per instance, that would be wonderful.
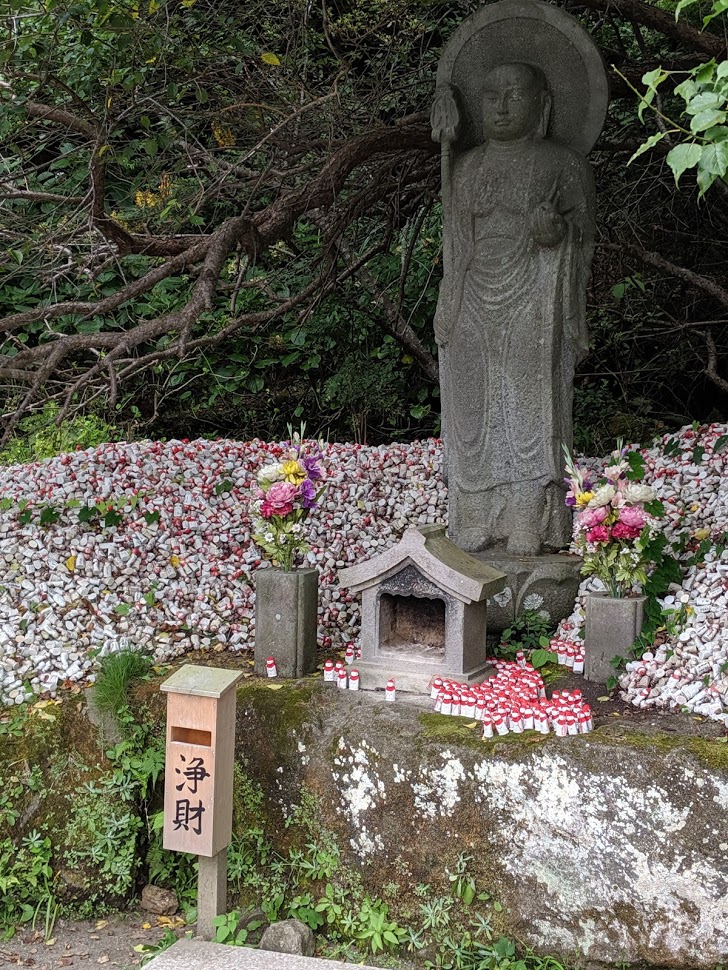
(512, 103)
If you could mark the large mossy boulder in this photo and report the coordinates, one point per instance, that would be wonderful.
(611, 846)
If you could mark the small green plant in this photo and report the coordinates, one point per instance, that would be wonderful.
(26, 885)
(375, 930)
(39, 435)
(117, 672)
(463, 885)
(530, 631)
(228, 929)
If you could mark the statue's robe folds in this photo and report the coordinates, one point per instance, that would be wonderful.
(513, 315)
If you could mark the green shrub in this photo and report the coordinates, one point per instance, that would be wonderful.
(39, 436)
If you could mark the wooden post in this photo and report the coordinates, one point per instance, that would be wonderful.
(198, 785)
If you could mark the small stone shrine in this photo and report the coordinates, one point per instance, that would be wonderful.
(423, 611)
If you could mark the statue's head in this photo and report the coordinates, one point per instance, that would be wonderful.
(516, 103)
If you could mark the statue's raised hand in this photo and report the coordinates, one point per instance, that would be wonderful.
(445, 114)
(548, 226)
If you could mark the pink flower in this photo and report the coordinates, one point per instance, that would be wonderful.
(623, 531)
(590, 518)
(633, 515)
(279, 499)
(600, 533)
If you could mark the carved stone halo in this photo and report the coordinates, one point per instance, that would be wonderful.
(531, 32)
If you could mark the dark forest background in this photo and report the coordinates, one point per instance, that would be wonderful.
(223, 219)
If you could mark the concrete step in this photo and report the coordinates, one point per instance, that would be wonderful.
(199, 955)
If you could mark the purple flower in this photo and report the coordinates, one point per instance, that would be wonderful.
(307, 494)
(311, 464)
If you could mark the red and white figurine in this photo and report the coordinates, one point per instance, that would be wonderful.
(390, 691)
(353, 680)
(270, 667)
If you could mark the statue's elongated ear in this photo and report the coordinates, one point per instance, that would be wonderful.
(545, 115)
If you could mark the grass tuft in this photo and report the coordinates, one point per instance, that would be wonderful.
(117, 672)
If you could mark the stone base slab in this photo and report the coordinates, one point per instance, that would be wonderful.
(195, 954)
(554, 578)
(374, 676)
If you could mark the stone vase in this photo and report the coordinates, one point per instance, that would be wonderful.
(286, 605)
(612, 626)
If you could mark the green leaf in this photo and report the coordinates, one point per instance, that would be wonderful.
(687, 90)
(539, 658)
(720, 445)
(715, 158)
(121, 609)
(706, 119)
(704, 101)
(682, 5)
(224, 486)
(682, 157)
(636, 465)
(698, 452)
(49, 515)
(646, 146)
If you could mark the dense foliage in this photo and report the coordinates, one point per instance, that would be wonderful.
(221, 217)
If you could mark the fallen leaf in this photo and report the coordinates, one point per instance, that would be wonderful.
(100, 924)
(71, 563)
(274, 686)
(50, 942)
(603, 699)
(170, 922)
(271, 59)
(146, 926)
(104, 958)
(473, 724)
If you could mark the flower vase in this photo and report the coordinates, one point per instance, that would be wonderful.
(286, 606)
(612, 626)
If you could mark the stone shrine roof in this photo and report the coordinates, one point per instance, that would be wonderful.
(440, 560)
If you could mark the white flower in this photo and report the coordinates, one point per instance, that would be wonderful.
(269, 537)
(614, 472)
(602, 496)
(271, 473)
(637, 494)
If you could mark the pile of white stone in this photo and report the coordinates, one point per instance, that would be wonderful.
(174, 573)
(689, 670)
(167, 563)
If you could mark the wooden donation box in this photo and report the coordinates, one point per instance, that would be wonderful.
(198, 787)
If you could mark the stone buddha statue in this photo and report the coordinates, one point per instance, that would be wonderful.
(510, 323)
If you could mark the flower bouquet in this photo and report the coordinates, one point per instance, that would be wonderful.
(616, 519)
(288, 491)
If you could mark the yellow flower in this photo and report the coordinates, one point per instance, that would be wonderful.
(293, 472)
(583, 498)
(145, 200)
(223, 135)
